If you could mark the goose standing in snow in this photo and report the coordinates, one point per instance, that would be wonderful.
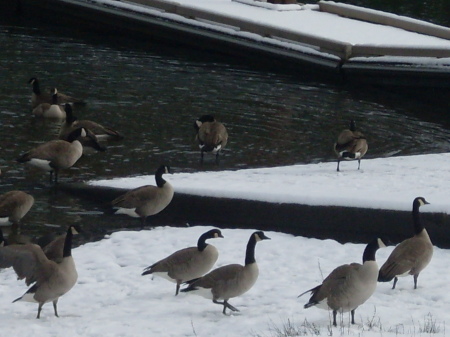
(188, 263)
(231, 280)
(350, 145)
(412, 255)
(50, 280)
(348, 286)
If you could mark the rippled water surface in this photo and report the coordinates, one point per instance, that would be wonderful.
(153, 93)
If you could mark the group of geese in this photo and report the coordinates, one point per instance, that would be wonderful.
(51, 271)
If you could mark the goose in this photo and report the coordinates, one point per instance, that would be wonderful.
(38, 97)
(212, 136)
(350, 145)
(348, 286)
(14, 205)
(72, 123)
(230, 280)
(55, 155)
(50, 280)
(412, 255)
(53, 110)
(188, 263)
(146, 200)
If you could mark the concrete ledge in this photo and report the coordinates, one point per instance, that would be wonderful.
(344, 224)
(386, 19)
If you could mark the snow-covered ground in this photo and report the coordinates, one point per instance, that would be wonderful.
(111, 297)
(384, 183)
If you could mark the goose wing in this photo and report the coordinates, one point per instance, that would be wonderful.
(28, 261)
(180, 260)
(136, 197)
(8, 203)
(54, 250)
(404, 258)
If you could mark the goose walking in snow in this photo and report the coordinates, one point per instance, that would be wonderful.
(188, 263)
(231, 280)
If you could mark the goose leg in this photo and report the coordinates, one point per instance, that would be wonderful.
(225, 306)
(338, 162)
(359, 163)
(39, 310)
(353, 316)
(334, 317)
(55, 307)
(201, 156)
(415, 280)
(217, 158)
(178, 287)
(51, 177)
(395, 282)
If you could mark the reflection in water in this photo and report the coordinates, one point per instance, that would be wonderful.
(153, 94)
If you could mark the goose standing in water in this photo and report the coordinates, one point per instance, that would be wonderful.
(350, 145)
(100, 131)
(38, 97)
(412, 255)
(231, 280)
(348, 286)
(53, 110)
(56, 155)
(188, 263)
(14, 205)
(212, 136)
(50, 280)
(146, 200)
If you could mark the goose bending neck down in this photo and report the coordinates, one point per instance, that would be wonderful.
(188, 263)
(14, 205)
(348, 286)
(50, 280)
(412, 255)
(231, 280)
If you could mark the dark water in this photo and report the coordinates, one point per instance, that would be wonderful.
(153, 93)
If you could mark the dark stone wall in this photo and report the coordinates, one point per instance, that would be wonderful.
(344, 224)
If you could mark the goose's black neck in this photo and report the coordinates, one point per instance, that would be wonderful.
(69, 114)
(250, 252)
(158, 176)
(67, 251)
(418, 227)
(55, 98)
(370, 251)
(36, 88)
(201, 244)
(352, 125)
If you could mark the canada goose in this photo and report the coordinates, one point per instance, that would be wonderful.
(188, 263)
(231, 280)
(211, 135)
(146, 200)
(51, 280)
(71, 123)
(412, 255)
(348, 286)
(38, 97)
(350, 145)
(56, 154)
(14, 205)
(53, 110)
